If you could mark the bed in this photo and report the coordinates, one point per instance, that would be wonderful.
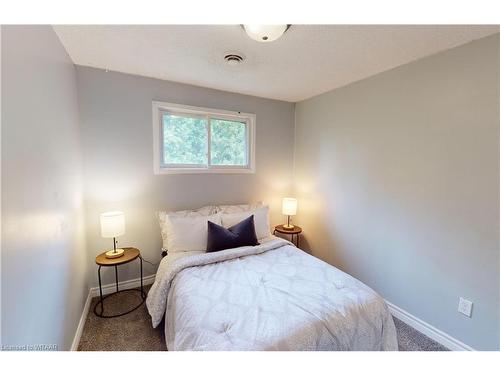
(273, 296)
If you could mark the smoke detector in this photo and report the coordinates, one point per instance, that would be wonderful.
(234, 58)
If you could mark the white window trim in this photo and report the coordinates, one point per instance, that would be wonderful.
(248, 118)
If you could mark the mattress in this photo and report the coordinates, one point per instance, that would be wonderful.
(268, 297)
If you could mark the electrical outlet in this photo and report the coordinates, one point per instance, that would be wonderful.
(465, 307)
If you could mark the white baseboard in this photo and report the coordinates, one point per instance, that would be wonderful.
(106, 289)
(81, 324)
(127, 284)
(427, 329)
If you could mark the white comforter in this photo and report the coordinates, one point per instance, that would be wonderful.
(269, 297)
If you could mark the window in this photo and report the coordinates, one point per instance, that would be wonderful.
(201, 140)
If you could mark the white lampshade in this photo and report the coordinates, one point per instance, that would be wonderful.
(112, 224)
(265, 33)
(289, 206)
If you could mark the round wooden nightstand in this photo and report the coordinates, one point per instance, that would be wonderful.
(130, 254)
(295, 231)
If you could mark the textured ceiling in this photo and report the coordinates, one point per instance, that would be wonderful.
(308, 60)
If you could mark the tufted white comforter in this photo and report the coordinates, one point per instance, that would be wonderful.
(269, 297)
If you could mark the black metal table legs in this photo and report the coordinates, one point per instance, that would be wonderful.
(101, 298)
(291, 239)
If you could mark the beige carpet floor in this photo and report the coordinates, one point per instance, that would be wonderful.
(134, 332)
(128, 332)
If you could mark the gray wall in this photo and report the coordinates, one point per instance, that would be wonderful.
(398, 180)
(117, 140)
(44, 283)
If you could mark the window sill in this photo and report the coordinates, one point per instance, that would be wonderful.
(203, 170)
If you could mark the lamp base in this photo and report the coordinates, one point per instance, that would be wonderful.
(288, 226)
(114, 254)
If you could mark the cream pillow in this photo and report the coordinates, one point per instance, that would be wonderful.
(237, 208)
(260, 218)
(162, 216)
(188, 233)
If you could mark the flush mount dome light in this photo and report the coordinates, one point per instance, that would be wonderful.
(265, 33)
(233, 59)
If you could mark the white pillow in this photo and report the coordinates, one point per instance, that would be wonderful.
(188, 233)
(162, 216)
(203, 211)
(237, 208)
(260, 218)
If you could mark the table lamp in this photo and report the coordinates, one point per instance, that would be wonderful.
(289, 208)
(112, 226)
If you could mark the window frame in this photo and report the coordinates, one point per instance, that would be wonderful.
(159, 108)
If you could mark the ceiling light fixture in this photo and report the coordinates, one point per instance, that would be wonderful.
(265, 33)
